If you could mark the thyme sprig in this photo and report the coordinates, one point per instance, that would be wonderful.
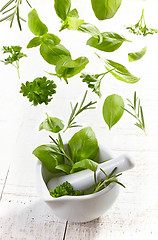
(75, 111)
(137, 112)
(10, 10)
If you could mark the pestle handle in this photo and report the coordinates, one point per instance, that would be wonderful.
(85, 179)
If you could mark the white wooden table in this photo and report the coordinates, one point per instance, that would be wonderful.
(135, 214)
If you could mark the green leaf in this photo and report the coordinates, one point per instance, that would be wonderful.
(89, 28)
(113, 109)
(120, 72)
(62, 8)
(50, 39)
(83, 145)
(52, 124)
(36, 41)
(73, 13)
(73, 23)
(52, 54)
(39, 90)
(35, 25)
(84, 164)
(64, 168)
(105, 9)
(137, 55)
(110, 42)
(67, 67)
(47, 155)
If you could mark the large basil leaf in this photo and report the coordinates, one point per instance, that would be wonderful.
(120, 72)
(105, 9)
(67, 67)
(62, 8)
(50, 39)
(36, 41)
(46, 154)
(84, 164)
(52, 124)
(35, 25)
(83, 145)
(136, 55)
(113, 109)
(52, 54)
(110, 41)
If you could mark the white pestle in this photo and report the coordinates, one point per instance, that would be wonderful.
(85, 179)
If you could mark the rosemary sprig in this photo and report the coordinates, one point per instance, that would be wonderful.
(75, 111)
(60, 148)
(10, 11)
(109, 179)
(137, 112)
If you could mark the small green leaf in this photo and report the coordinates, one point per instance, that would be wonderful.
(73, 23)
(64, 168)
(113, 109)
(137, 55)
(89, 28)
(83, 145)
(73, 13)
(120, 72)
(104, 9)
(52, 124)
(36, 41)
(50, 39)
(52, 54)
(35, 25)
(62, 8)
(110, 42)
(84, 164)
(47, 154)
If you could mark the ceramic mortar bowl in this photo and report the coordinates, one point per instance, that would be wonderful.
(78, 208)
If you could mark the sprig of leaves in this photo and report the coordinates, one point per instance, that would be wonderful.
(109, 179)
(15, 55)
(137, 112)
(39, 91)
(75, 111)
(140, 27)
(10, 10)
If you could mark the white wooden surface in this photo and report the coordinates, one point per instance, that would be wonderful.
(135, 213)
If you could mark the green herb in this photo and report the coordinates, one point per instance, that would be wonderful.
(104, 9)
(10, 10)
(110, 41)
(137, 112)
(109, 179)
(15, 55)
(136, 55)
(52, 124)
(63, 190)
(62, 8)
(83, 145)
(84, 164)
(64, 168)
(39, 91)
(113, 109)
(120, 72)
(140, 27)
(49, 155)
(77, 110)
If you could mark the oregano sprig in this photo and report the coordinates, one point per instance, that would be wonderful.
(137, 112)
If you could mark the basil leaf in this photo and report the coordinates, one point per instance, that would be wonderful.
(83, 145)
(137, 55)
(84, 164)
(52, 54)
(110, 41)
(64, 167)
(120, 72)
(52, 124)
(104, 9)
(73, 13)
(62, 8)
(47, 154)
(67, 67)
(36, 41)
(35, 25)
(89, 28)
(113, 109)
(74, 23)
(51, 39)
